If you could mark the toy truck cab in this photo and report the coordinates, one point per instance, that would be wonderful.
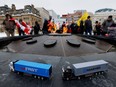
(67, 73)
(11, 65)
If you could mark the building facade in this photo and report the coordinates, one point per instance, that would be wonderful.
(59, 21)
(44, 14)
(102, 14)
(53, 14)
(73, 16)
(29, 14)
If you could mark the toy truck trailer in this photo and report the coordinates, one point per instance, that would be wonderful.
(84, 69)
(38, 70)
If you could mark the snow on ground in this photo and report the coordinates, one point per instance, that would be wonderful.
(2, 34)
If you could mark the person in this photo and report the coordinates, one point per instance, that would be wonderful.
(50, 25)
(97, 29)
(9, 25)
(69, 29)
(81, 27)
(31, 33)
(107, 23)
(36, 28)
(45, 27)
(54, 27)
(88, 26)
(21, 32)
(74, 28)
(59, 28)
(64, 28)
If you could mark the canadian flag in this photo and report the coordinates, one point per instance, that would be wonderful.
(23, 26)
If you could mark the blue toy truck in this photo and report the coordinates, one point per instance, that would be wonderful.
(38, 70)
(86, 69)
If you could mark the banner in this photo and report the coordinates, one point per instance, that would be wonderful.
(83, 18)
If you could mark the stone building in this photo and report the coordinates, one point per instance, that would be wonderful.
(29, 14)
(73, 16)
(102, 14)
(44, 14)
(53, 14)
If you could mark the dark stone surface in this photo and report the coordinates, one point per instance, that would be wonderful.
(60, 49)
(88, 40)
(8, 79)
(50, 43)
(28, 38)
(31, 41)
(60, 55)
(6, 40)
(103, 38)
(73, 42)
(58, 34)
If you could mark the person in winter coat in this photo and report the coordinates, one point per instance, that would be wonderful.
(81, 27)
(74, 28)
(107, 23)
(97, 28)
(45, 27)
(88, 26)
(36, 28)
(64, 28)
(9, 25)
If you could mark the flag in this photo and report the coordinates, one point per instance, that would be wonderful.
(25, 29)
(83, 18)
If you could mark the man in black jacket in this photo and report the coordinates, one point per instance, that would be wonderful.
(74, 28)
(88, 26)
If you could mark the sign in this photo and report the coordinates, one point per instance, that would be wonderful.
(29, 69)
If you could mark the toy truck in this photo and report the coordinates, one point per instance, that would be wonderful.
(86, 69)
(38, 70)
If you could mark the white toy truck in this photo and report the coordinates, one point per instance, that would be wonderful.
(84, 69)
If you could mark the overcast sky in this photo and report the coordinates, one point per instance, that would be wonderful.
(63, 6)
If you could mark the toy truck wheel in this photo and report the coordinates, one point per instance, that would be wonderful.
(79, 77)
(38, 77)
(42, 78)
(102, 72)
(11, 70)
(99, 73)
(90, 78)
(67, 79)
(96, 74)
(35, 76)
(18, 72)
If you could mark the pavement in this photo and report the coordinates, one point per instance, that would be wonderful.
(2, 34)
(62, 48)
(9, 79)
(60, 55)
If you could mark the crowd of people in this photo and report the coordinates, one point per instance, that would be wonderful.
(85, 27)
(49, 26)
